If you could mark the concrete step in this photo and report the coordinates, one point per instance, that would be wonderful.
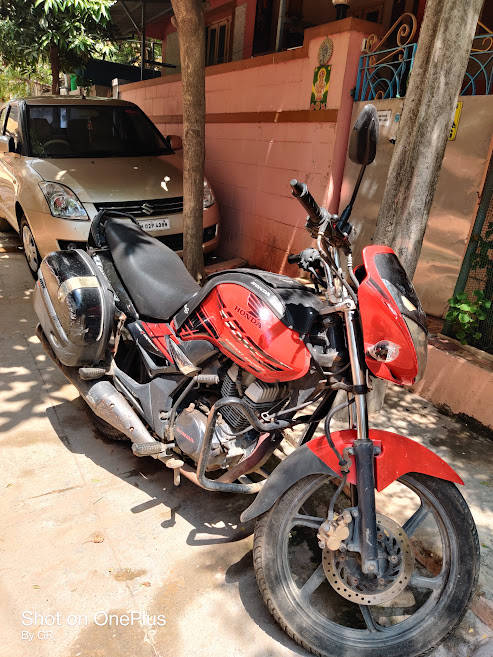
(232, 263)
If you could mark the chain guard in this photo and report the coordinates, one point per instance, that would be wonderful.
(343, 569)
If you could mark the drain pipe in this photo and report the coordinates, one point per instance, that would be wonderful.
(108, 404)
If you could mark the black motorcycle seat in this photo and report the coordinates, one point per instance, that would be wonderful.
(154, 276)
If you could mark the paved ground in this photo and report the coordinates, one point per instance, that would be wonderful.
(89, 530)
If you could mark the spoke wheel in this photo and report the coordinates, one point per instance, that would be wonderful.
(30, 249)
(440, 574)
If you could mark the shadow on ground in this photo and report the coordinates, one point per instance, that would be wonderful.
(215, 528)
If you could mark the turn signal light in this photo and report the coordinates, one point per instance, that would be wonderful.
(384, 351)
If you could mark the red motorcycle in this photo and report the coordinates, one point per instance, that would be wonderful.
(363, 544)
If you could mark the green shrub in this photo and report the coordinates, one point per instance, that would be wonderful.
(465, 315)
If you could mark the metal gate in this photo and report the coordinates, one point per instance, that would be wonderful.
(476, 276)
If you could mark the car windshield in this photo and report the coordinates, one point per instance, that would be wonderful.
(92, 131)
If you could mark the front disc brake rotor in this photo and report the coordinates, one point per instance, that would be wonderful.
(343, 569)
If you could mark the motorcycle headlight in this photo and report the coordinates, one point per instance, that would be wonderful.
(420, 342)
(62, 201)
(208, 195)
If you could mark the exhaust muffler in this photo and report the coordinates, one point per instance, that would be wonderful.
(108, 404)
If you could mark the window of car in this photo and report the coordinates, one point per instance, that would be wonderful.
(92, 131)
(13, 127)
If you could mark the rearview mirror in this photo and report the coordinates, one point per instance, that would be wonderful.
(6, 144)
(175, 142)
(364, 136)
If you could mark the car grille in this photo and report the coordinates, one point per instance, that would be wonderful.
(175, 242)
(144, 209)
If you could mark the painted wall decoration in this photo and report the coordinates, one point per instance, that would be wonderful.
(320, 88)
(325, 51)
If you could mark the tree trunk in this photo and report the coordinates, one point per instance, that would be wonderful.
(191, 33)
(55, 69)
(441, 60)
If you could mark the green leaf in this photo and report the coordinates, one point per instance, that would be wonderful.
(477, 335)
(464, 318)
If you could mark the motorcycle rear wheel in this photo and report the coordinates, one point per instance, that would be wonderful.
(105, 429)
(312, 613)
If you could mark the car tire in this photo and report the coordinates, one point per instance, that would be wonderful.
(31, 251)
(5, 227)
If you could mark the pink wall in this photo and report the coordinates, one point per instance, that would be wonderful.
(250, 163)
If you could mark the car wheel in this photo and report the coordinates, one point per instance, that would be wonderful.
(30, 249)
(5, 227)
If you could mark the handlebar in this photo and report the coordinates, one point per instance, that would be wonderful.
(309, 259)
(294, 258)
(316, 214)
(336, 233)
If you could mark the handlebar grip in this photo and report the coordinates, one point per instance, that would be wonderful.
(315, 212)
(294, 258)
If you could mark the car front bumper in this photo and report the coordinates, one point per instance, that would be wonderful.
(52, 234)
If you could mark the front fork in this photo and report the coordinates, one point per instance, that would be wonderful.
(363, 448)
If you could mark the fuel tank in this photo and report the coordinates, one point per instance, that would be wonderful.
(255, 318)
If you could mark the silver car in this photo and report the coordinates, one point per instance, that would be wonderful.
(62, 159)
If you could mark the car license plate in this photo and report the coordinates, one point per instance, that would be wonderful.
(154, 225)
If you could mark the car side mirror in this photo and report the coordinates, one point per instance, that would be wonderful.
(175, 142)
(364, 136)
(7, 144)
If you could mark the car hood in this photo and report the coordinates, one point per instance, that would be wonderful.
(96, 180)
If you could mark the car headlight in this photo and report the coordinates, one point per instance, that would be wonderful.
(208, 195)
(63, 203)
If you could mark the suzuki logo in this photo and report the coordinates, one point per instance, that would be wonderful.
(147, 208)
(164, 183)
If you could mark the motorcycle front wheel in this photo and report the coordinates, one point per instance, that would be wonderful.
(325, 603)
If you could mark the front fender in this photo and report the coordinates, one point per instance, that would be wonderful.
(398, 456)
